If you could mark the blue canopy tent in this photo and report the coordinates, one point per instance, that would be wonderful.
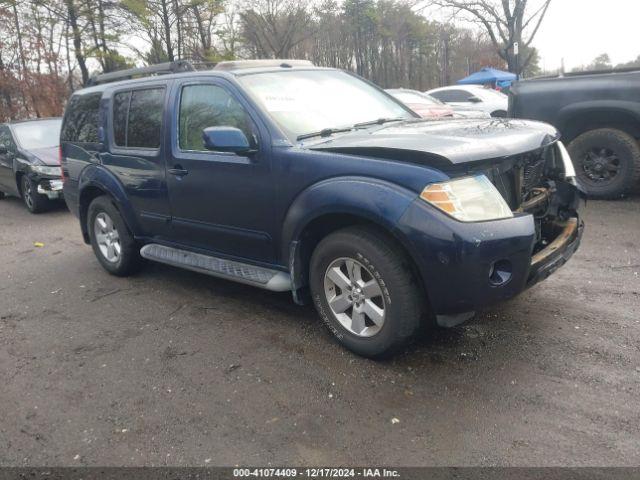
(488, 75)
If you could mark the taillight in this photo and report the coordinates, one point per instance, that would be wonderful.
(60, 163)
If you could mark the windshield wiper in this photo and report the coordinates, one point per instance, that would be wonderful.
(379, 121)
(325, 132)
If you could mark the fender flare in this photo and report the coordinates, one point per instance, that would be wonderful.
(382, 203)
(566, 114)
(97, 176)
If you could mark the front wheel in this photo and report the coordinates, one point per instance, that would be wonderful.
(112, 243)
(34, 201)
(364, 290)
(607, 162)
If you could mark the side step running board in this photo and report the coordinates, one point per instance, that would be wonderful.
(266, 278)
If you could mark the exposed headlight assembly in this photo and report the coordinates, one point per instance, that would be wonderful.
(468, 199)
(45, 170)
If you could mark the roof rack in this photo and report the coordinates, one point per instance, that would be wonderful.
(158, 69)
(265, 63)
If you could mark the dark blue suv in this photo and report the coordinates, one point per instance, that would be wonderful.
(294, 178)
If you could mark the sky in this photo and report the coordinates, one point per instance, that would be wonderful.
(580, 30)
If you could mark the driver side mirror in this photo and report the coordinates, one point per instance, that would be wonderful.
(226, 139)
(474, 99)
(3, 149)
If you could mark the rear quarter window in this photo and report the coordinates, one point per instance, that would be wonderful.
(81, 119)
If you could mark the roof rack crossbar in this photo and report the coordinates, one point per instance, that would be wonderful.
(158, 69)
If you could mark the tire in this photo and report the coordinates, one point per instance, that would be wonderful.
(398, 295)
(112, 243)
(607, 162)
(34, 201)
(1, 195)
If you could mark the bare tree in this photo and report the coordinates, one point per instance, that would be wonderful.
(272, 28)
(507, 22)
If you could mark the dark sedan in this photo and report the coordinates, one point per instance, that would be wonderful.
(29, 166)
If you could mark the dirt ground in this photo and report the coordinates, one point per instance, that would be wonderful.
(174, 368)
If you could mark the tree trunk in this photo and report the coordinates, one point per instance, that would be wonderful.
(77, 40)
(166, 22)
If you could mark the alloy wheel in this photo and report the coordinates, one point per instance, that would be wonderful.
(107, 237)
(355, 297)
(27, 193)
(600, 165)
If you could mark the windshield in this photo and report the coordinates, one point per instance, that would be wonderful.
(39, 134)
(306, 101)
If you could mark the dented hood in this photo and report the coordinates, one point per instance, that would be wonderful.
(451, 142)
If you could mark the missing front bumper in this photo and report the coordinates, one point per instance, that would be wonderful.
(50, 188)
(558, 252)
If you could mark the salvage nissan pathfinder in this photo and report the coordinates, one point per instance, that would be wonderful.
(290, 177)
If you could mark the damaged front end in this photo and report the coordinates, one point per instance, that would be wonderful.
(542, 184)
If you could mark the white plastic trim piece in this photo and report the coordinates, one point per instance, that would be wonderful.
(569, 169)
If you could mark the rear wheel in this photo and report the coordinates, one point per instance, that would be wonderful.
(1, 195)
(112, 243)
(607, 162)
(34, 201)
(365, 292)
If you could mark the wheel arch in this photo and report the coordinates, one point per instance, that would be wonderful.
(95, 182)
(577, 119)
(336, 204)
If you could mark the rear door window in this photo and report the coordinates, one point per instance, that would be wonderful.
(137, 118)
(82, 118)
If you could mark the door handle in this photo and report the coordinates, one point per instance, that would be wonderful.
(178, 171)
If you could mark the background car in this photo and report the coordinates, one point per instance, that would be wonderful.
(422, 104)
(598, 114)
(473, 97)
(432, 107)
(29, 165)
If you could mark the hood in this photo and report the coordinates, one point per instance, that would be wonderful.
(47, 155)
(452, 142)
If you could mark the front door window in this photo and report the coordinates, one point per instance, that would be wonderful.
(203, 106)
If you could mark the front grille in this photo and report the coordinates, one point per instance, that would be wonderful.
(532, 171)
(516, 177)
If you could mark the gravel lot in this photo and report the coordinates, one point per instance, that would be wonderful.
(174, 368)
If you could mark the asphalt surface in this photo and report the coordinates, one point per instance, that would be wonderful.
(174, 368)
